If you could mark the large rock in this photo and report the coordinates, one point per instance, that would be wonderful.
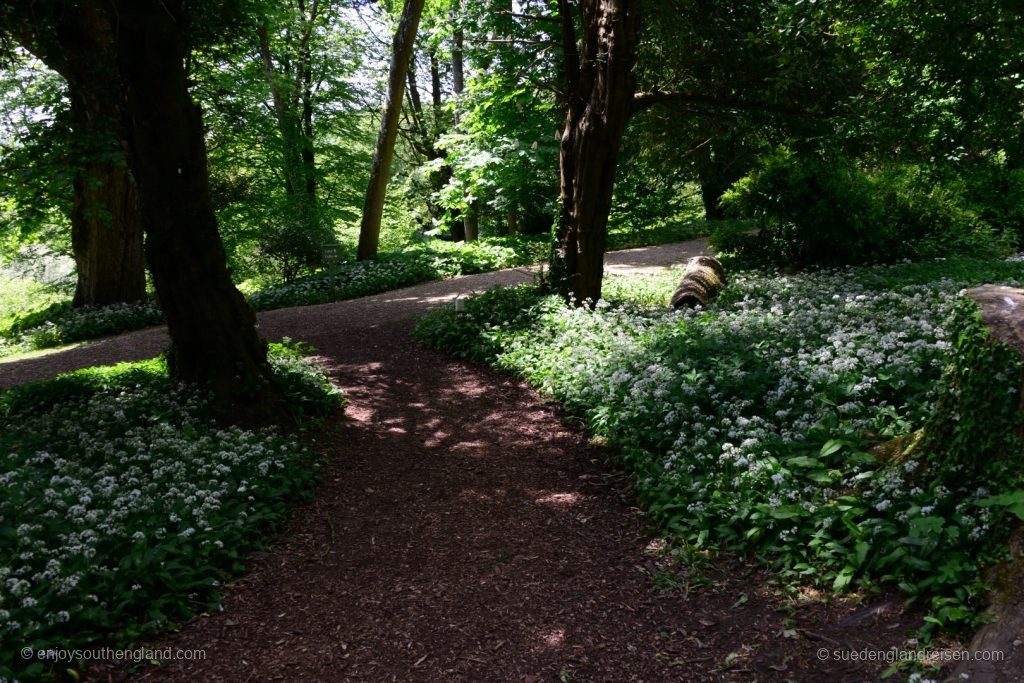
(1002, 311)
(996, 653)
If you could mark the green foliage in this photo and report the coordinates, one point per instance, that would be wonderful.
(995, 191)
(763, 423)
(20, 297)
(271, 225)
(942, 79)
(829, 211)
(977, 419)
(434, 260)
(479, 331)
(931, 216)
(502, 153)
(309, 393)
(36, 153)
(59, 324)
(123, 507)
(812, 211)
(665, 231)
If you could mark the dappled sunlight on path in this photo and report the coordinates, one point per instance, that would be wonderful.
(464, 532)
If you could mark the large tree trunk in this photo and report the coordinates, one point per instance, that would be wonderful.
(106, 226)
(600, 80)
(373, 206)
(213, 330)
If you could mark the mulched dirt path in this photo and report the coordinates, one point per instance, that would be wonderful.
(465, 533)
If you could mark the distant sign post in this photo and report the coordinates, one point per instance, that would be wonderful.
(330, 254)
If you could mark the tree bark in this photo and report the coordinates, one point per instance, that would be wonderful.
(470, 218)
(212, 329)
(702, 281)
(106, 228)
(600, 86)
(373, 206)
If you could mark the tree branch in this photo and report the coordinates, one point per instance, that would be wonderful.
(646, 100)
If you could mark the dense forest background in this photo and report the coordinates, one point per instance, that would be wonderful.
(852, 131)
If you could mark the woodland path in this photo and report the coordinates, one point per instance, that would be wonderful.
(464, 532)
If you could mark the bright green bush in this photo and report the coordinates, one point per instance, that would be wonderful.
(811, 211)
(759, 423)
(829, 211)
(930, 216)
(122, 506)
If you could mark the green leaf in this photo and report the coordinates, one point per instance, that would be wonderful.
(786, 512)
(1014, 502)
(862, 552)
(843, 578)
(831, 446)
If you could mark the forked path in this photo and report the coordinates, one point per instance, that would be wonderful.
(463, 532)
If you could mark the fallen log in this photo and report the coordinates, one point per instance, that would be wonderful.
(703, 279)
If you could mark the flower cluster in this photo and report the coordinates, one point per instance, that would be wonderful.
(122, 505)
(428, 261)
(67, 325)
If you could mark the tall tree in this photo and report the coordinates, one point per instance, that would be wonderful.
(212, 329)
(501, 149)
(288, 138)
(600, 84)
(106, 228)
(422, 132)
(289, 77)
(470, 217)
(373, 207)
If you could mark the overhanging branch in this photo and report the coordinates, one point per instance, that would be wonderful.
(646, 100)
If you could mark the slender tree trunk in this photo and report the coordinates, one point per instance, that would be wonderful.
(373, 206)
(295, 129)
(470, 218)
(308, 153)
(456, 227)
(601, 88)
(213, 330)
(435, 89)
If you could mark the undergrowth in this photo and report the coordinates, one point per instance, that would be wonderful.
(123, 506)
